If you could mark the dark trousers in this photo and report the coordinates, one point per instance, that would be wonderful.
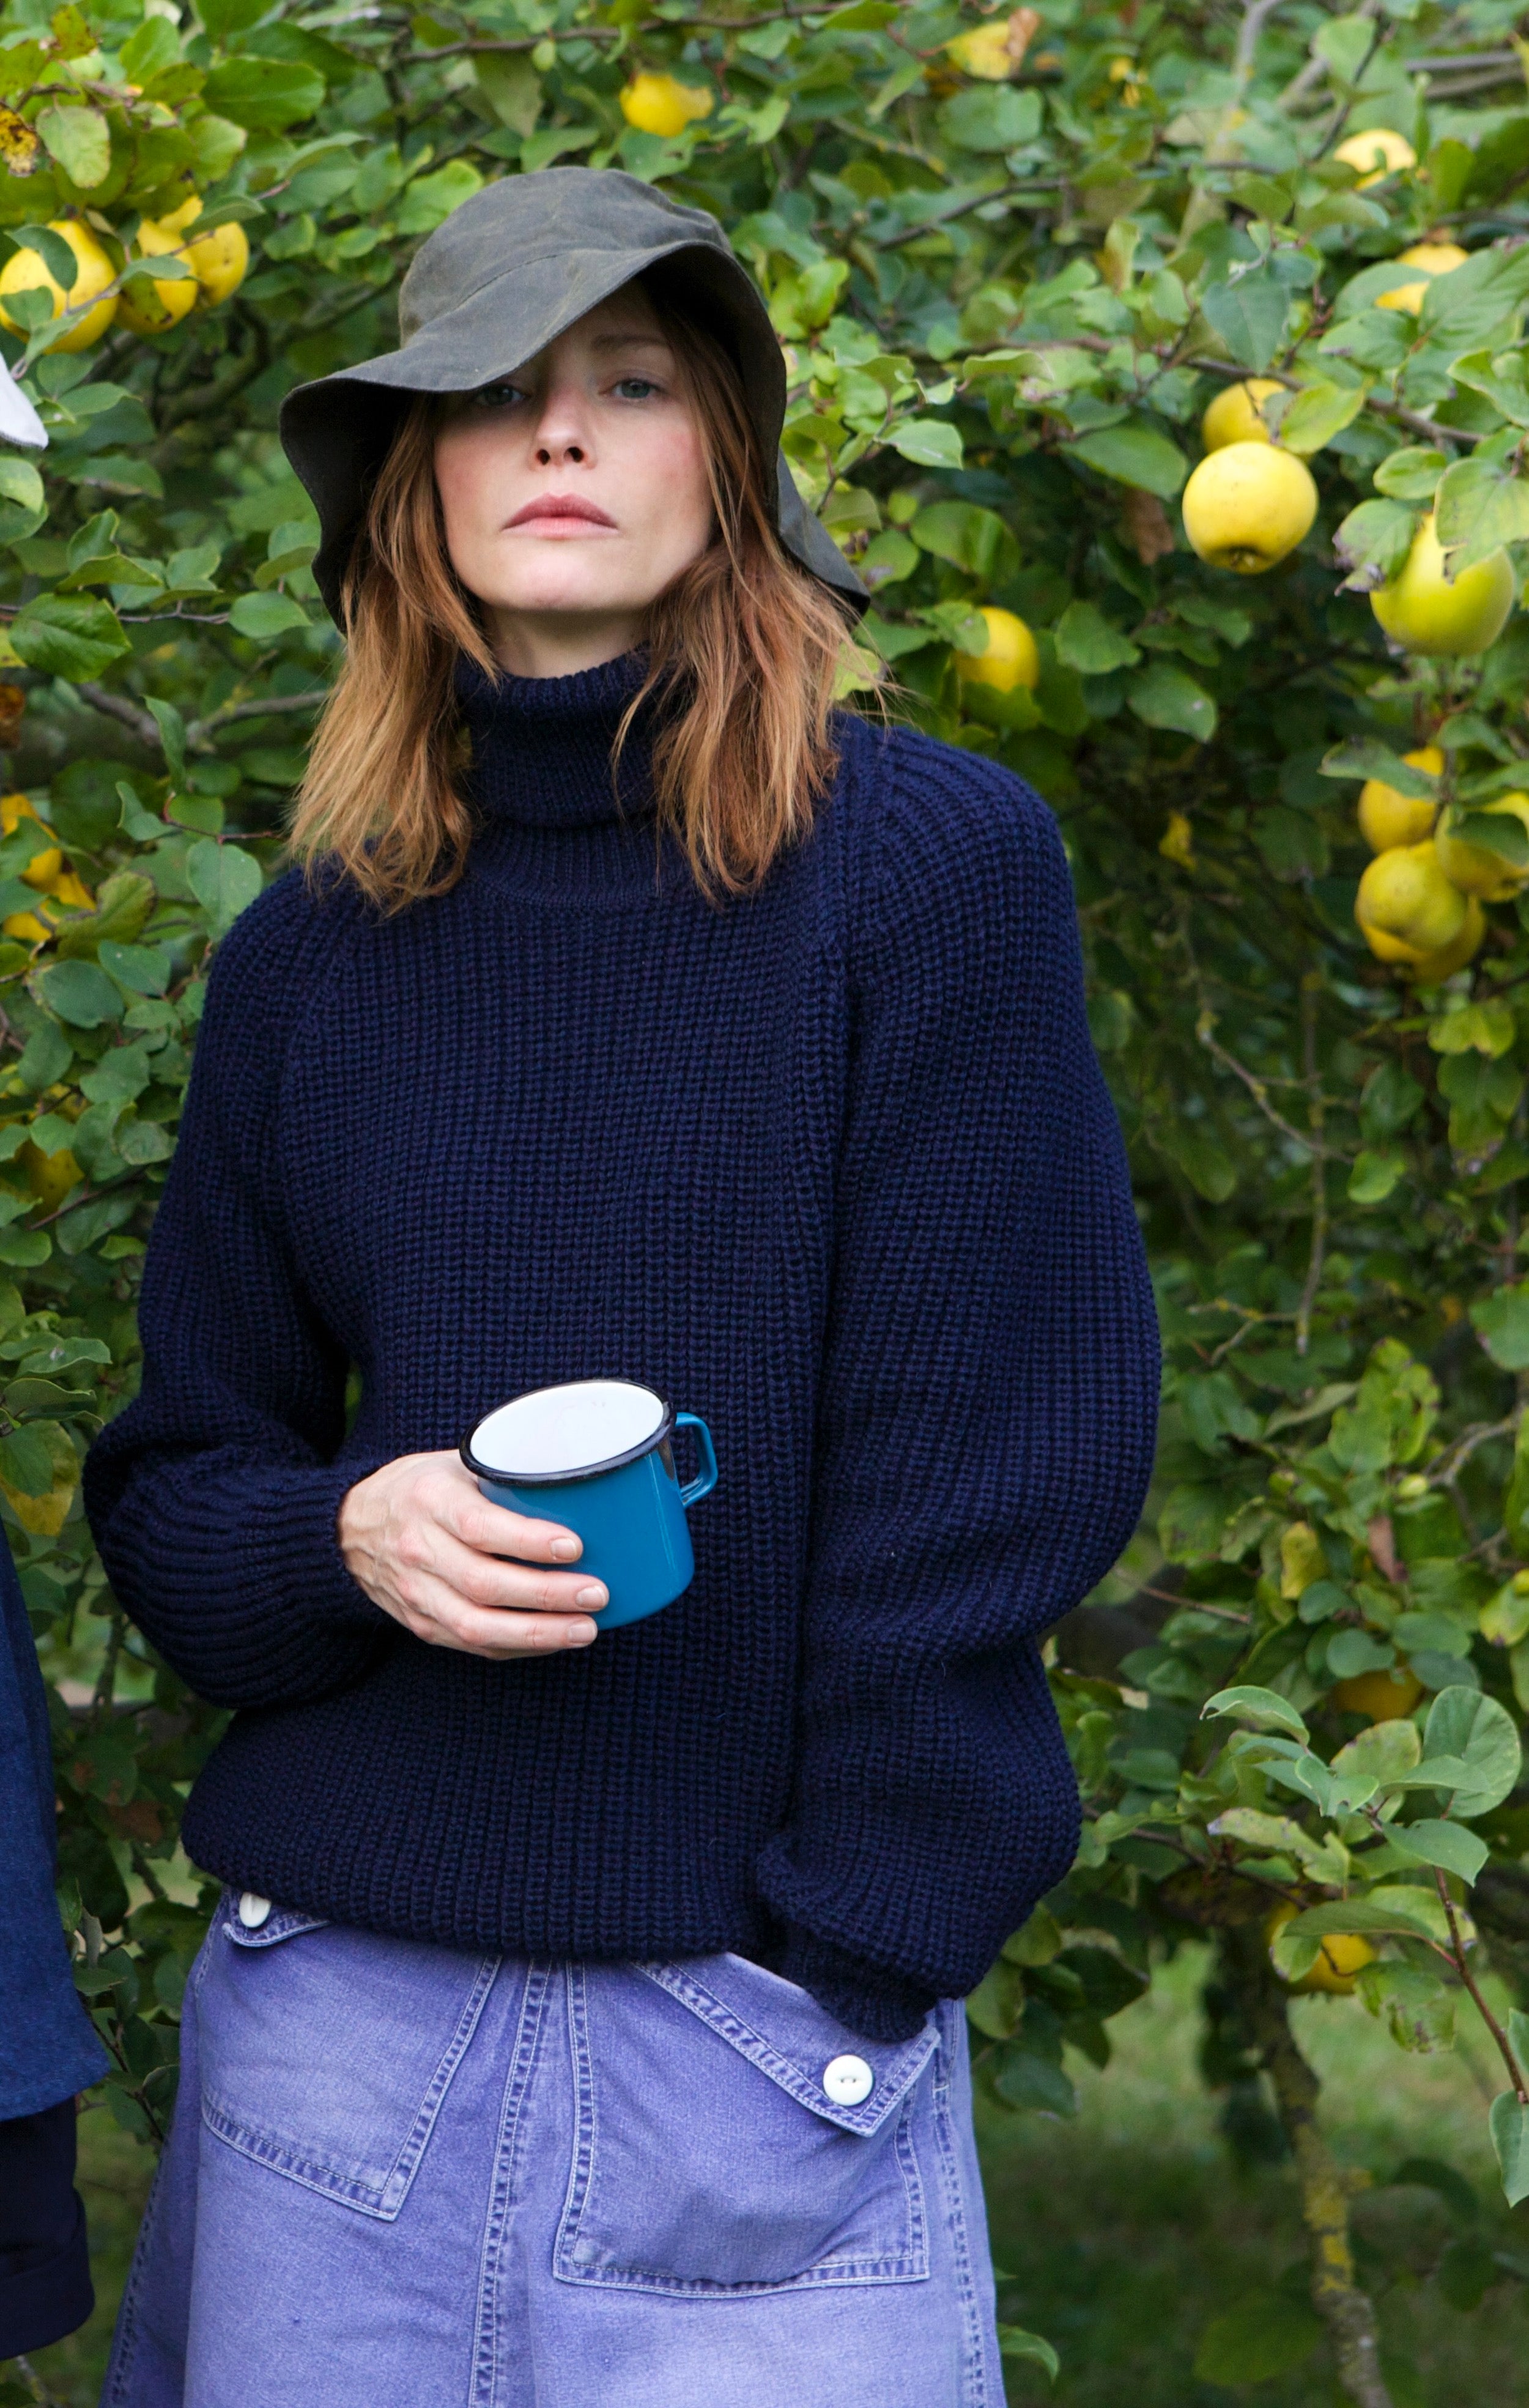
(45, 2279)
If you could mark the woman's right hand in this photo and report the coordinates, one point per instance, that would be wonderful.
(425, 1545)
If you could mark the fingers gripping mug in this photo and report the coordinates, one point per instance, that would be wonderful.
(595, 1455)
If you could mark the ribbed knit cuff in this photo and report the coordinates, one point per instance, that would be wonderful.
(311, 1544)
(883, 2006)
(45, 2275)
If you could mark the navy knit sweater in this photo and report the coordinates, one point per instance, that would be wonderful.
(833, 1167)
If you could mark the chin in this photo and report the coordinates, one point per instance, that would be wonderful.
(570, 597)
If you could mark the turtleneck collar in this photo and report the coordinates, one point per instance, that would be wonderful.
(541, 746)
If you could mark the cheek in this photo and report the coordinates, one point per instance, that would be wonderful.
(466, 474)
(673, 474)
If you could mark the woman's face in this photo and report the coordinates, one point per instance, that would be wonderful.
(574, 491)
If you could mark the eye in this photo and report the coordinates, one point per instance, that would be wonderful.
(496, 396)
(635, 388)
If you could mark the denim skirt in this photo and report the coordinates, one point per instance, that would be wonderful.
(401, 2174)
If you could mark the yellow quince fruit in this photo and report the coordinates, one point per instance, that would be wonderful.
(1011, 658)
(1380, 149)
(149, 311)
(1235, 415)
(1388, 818)
(1422, 612)
(26, 271)
(1385, 1697)
(1405, 906)
(1434, 259)
(1247, 504)
(660, 103)
(1475, 870)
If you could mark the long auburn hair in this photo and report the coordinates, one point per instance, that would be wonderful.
(745, 646)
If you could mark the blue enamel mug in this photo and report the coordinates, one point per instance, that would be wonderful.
(595, 1455)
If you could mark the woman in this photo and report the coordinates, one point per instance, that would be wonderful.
(581, 2023)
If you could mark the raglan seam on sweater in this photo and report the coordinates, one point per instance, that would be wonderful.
(274, 1187)
(997, 811)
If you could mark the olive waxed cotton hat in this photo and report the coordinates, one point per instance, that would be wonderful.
(506, 273)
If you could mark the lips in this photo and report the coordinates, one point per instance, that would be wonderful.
(552, 507)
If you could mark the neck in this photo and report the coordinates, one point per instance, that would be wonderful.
(558, 643)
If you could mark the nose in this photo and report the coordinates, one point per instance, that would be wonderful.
(563, 436)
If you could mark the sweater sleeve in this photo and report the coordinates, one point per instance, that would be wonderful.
(213, 1496)
(987, 1411)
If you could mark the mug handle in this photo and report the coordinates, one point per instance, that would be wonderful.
(695, 1489)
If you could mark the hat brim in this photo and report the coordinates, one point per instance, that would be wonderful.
(337, 431)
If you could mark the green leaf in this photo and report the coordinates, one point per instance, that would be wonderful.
(81, 140)
(1207, 1166)
(998, 119)
(1363, 756)
(171, 734)
(1351, 1653)
(1266, 2334)
(431, 199)
(1481, 506)
(1500, 1320)
(1374, 1176)
(1263, 1708)
(1501, 379)
(554, 142)
(45, 1058)
(1086, 641)
(1395, 1912)
(1014, 2342)
(1248, 315)
(997, 2003)
(67, 636)
(224, 879)
(145, 970)
(513, 89)
(88, 1224)
(51, 250)
(928, 443)
(263, 616)
(1446, 1844)
(267, 93)
(1317, 413)
(26, 1463)
(1414, 2004)
(20, 484)
(1499, 832)
(1482, 1734)
(1135, 452)
(1385, 1754)
(80, 993)
(1510, 2121)
(969, 537)
(1412, 474)
(26, 1398)
(1165, 696)
(1025, 2080)
(1112, 1017)
(1373, 543)
(149, 51)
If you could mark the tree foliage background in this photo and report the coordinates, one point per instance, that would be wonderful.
(1013, 257)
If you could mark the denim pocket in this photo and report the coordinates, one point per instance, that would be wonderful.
(709, 2157)
(296, 2078)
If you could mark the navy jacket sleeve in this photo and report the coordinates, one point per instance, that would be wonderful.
(48, 2050)
(213, 1496)
(987, 1410)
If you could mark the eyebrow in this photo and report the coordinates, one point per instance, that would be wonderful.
(625, 342)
